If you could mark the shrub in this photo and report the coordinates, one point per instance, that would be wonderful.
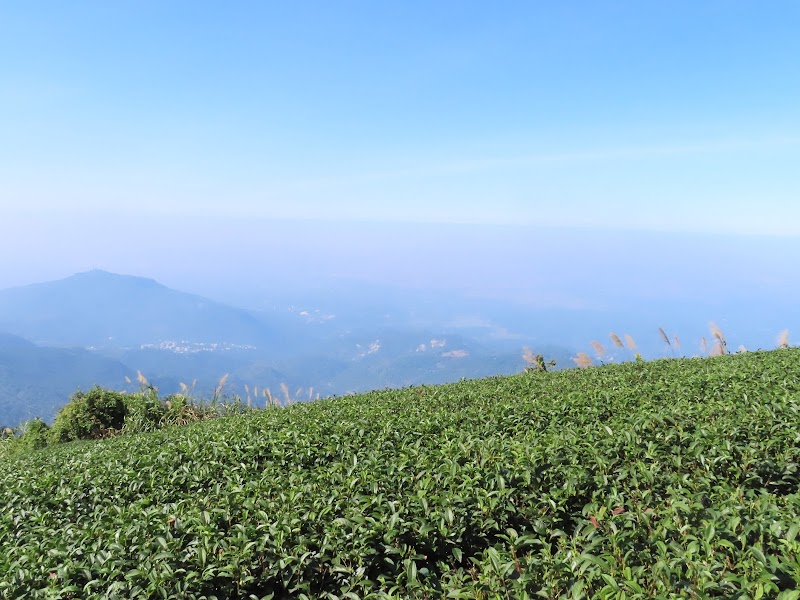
(89, 415)
(31, 435)
(34, 435)
(180, 410)
(144, 412)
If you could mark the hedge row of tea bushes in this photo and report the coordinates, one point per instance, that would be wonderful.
(670, 478)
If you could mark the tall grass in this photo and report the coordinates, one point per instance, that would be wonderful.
(719, 346)
(783, 339)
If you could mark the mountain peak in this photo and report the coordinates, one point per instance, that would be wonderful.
(99, 275)
(97, 309)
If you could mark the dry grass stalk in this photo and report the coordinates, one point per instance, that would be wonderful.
(664, 336)
(742, 348)
(583, 360)
(703, 345)
(615, 340)
(186, 391)
(629, 342)
(285, 390)
(535, 361)
(783, 339)
(718, 349)
(598, 347)
(677, 343)
(717, 334)
(528, 356)
(142, 379)
(220, 385)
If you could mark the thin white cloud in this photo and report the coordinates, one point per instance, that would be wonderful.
(634, 152)
(612, 153)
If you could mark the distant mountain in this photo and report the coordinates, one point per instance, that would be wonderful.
(202, 371)
(36, 381)
(101, 310)
(408, 356)
(101, 327)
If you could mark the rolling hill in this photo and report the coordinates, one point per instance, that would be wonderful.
(671, 478)
(126, 324)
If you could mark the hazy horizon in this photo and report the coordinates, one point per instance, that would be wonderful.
(611, 156)
(545, 285)
(489, 261)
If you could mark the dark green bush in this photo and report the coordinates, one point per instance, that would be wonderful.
(89, 415)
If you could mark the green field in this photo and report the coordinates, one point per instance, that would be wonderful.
(673, 478)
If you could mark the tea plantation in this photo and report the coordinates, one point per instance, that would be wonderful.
(673, 478)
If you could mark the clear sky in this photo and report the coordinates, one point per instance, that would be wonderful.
(628, 156)
(679, 115)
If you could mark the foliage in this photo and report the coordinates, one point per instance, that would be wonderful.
(144, 412)
(675, 478)
(103, 413)
(535, 362)
(35, 435)
(31, 435)
(89, 415)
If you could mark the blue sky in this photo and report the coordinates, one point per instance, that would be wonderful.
(673, 116)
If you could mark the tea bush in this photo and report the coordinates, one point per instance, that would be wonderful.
(676, 478)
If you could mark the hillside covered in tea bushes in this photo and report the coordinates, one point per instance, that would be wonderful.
(639, 480)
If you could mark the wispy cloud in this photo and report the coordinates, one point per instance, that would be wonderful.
(466, 165)
(631, 152)
(477, 322)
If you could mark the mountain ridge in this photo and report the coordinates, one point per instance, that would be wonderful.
(99, 309)
(124, 324)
